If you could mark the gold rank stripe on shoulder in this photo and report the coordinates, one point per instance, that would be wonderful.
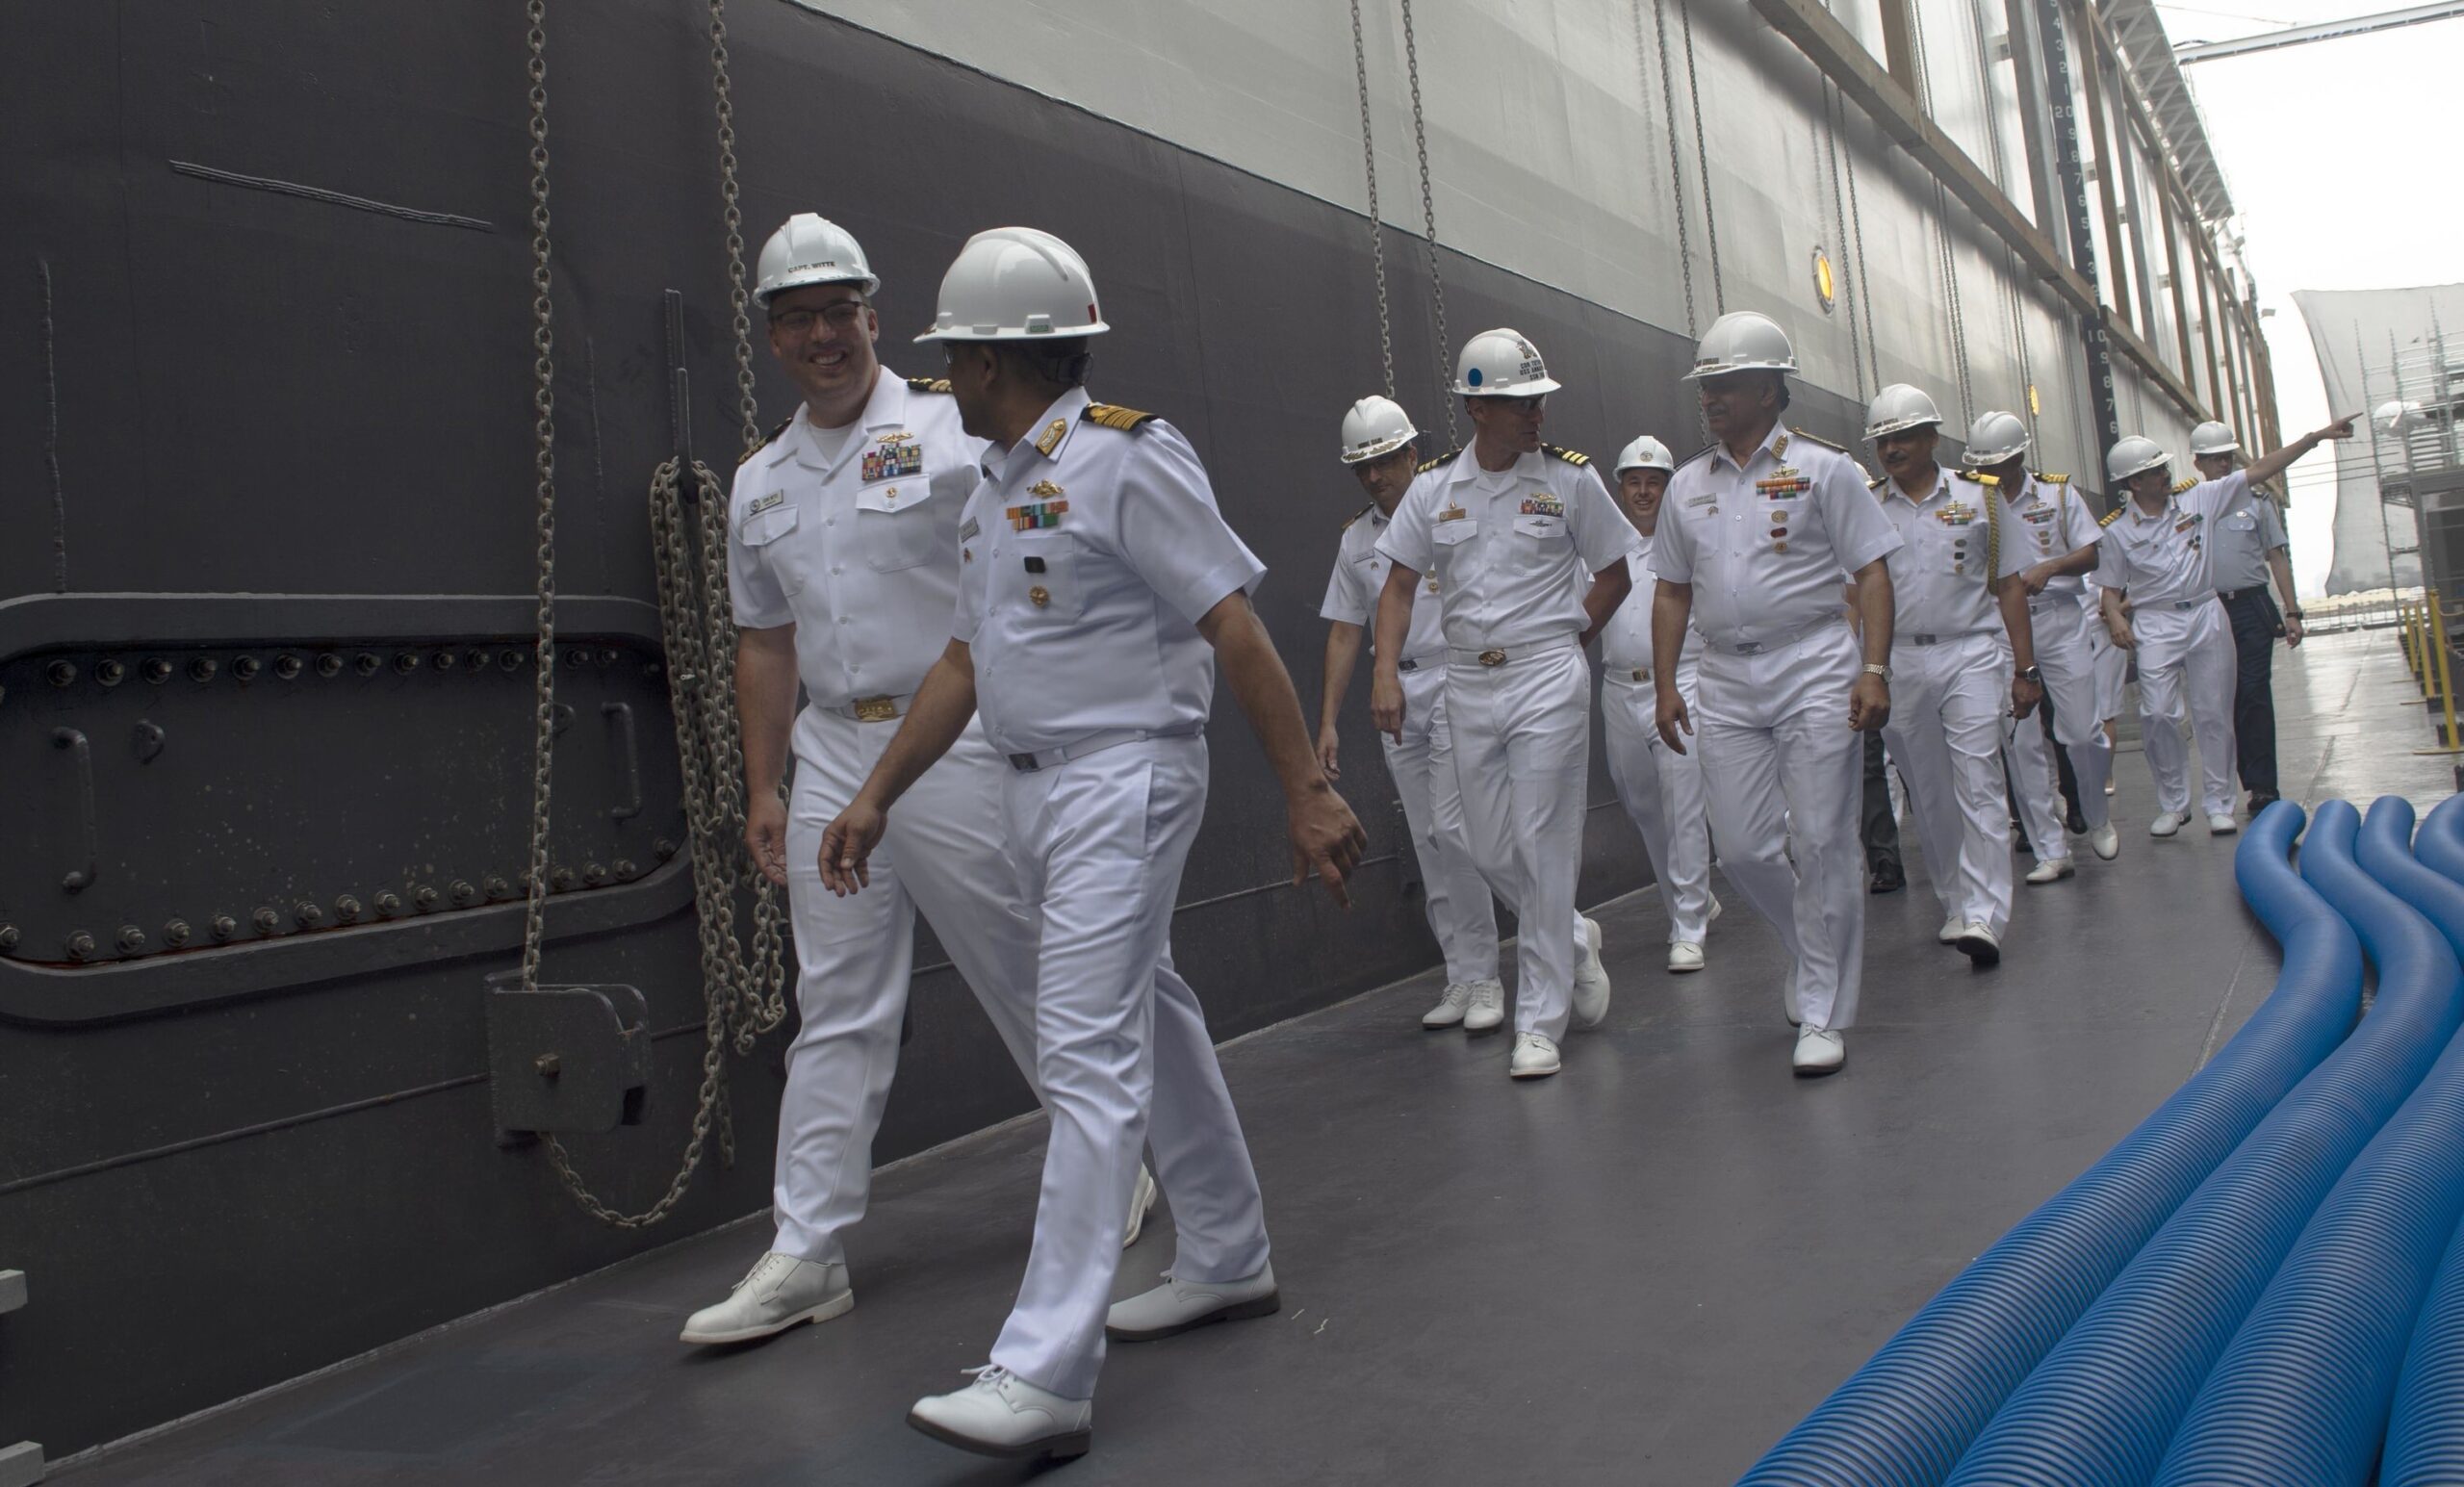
(1357, 515)
(1697, 454)
(2043, 478)
(1126, 419)
(1981, 478)
(2180, 486)
(1876, 483)
(1446, 458)
(1570, 456)
(929, 384)
(1825, 443)
(767, 439)
(2113, 516)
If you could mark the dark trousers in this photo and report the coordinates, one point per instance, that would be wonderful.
(1880, 829)
(2256, 627)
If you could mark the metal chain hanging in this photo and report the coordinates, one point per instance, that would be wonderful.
(543, 402)
(1857, 231)
(741, 995)
(1702, 158)
(1850, 286)
(1429, 214)
(1676, 165)
(1376, 223)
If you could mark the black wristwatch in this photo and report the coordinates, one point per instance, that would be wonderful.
(2293, 614)
(2032, 674)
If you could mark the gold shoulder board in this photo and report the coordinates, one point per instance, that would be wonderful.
(2043, 479)
(1570, 456)
(2113, 516)
(1697, 454)
(1357, 515)
(929, 384)
(767, 439)
(1818, 439)
(1446, 458)
(1112, 416)
(2180, 486)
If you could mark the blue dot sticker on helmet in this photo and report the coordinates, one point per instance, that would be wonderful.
(1472, 376)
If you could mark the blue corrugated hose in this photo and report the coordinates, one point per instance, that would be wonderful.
(2426, 1432)
(2103, 1406)
(2302, 1393)
(1907, 1414)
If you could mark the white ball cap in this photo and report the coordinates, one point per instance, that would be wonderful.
(809, 249)
(1375, 428)
(2214, 437)
(2136, 454)
(1743, 340)
(1995, 437)
(1502, 363)
(1898, 408)
(1016, 284)
(1644, 453)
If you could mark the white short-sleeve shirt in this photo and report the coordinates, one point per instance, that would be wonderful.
(2165, 559)
(2054, 522)
(1626, 640)
(1360, 577)
(1955, 544)
(1765, 544)
(1087, 558)
(1512, 550)
(856, 549)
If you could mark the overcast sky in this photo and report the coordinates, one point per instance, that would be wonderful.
(2339, 156)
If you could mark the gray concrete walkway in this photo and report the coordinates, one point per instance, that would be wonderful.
(1643, 1271)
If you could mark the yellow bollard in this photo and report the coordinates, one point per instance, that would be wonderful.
(2404, 632)
(2422, 641)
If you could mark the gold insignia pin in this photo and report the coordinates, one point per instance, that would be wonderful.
(1038, 596)
(1050, 439)
(1043, 490)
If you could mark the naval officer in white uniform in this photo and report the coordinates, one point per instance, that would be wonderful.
(842, 566)
(1962, 661)
(1661, 788)
(1511, 527)
(2058, 535)
(1098, 586)
(1754, 535)
(1380, 447)
(2156, 553)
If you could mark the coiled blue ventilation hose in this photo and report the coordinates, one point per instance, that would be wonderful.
(1907, 1414)
(2302, 1393)
(2425, 1431)
(2103, 1406)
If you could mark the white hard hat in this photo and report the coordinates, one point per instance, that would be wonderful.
(1898, 408)
(1645, 453)
(1995, 437)
(2214, 437)
(1501, 363)
(809, 249)
(1016, 284)
(1742, 341)
(2136, 454)
(1375, 428)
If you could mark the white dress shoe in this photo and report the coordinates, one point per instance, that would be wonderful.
(1713, 917)
(2166, 824)
(1591, 979)
(1141, 1202)
(1534, 1057)
(1949, 933)
(1685, 956)
(2221, 824)
(1977, 941)
(1487, 1010)
(778, 1292)
(1819, 1051)
(1178, 1305)
(2051, 870)
(1450, 1007)
(2105, 843)
(1003, 1415)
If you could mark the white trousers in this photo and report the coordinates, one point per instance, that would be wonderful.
(2186, 659)
(1122, 1045)
(1460, 911)
(1781, 765)
(2068, 661)
(1665, 798)
(2112, 666)
(1948, 702)
(1521, 735)
(943, 853)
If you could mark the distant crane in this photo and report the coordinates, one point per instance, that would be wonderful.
(2320, 31)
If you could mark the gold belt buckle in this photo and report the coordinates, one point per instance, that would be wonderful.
(1642, 674)
(1492, 657)
(875, 710)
